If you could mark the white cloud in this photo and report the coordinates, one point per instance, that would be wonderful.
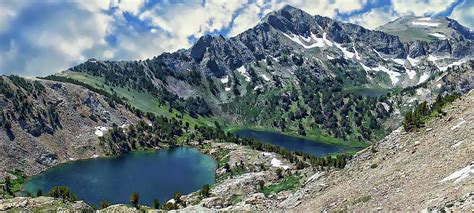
(8, 11)
(374, 18)
(464, 13)
(247, 18)
(328, 8)
(181, 21)
(42, 37)
(52, 37)
(421, 7)
(131, 6)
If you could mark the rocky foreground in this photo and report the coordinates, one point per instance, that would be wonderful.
(430, 169)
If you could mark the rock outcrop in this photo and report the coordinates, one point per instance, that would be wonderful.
(428, 169)
(53, 123)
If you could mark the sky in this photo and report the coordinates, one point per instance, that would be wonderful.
(42, 37)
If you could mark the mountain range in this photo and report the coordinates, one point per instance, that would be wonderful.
(295, 73)
(279, 73)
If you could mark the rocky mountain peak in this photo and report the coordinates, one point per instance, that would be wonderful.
(396, 49)
(411, 28)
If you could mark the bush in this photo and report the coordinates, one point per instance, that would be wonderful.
(205, 190)
(156, 204)
(414, 119)
(104, 204)
(134, 198)
(39, 193)
(62, 192)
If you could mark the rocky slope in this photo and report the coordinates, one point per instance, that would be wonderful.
(291, 39)
(428, 169)
(42, 204)
(44, 123)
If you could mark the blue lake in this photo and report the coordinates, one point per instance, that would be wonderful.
(154, 175)
(291, 143)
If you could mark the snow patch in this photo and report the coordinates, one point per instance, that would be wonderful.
(460, 174)
(394, 76)
(319, 42)
(411, 73)
(356, 53)
(413, 61)
(411, 100)
(244, 72)
(277, 163)
(99, 131)
(366, 68)
(225, 79)
(380, 55)
(227, 89)
(276, 59)
(424, 19)
(298, 39)
(423, 78)
(265, 77)
(386, 106)
(457, 63)
(425, 23)
(257, 87)
(399, 61)
(327, 41)
(347, 54)
(329, 57)
(439, 36)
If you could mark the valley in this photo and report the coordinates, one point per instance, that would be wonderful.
(299, 112)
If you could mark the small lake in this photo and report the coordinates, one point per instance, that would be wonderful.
(291, 143)
(154, 175)
(370, 92)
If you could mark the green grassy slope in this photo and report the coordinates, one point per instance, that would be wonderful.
(141, 100)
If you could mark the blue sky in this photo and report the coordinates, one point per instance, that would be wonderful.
(38, 38)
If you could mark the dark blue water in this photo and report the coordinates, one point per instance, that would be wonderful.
(291, 143)
(154, 175)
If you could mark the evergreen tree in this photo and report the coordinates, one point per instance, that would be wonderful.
(205, 191)
(39, 193)
(134, 199)
(156, 204)
(62, 192)
(104, 204)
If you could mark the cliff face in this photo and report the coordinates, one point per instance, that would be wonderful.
(44, 123)
(431, 168)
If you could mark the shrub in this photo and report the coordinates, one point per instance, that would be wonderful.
(62, 192)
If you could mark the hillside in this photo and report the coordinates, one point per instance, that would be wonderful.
(431, 168)
(44, 123)
(428, 169)
(293, 72)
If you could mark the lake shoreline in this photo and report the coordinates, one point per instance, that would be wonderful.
(322, 139)
(151, 151)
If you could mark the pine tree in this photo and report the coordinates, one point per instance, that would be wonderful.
(156, 204)
(134, 198)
